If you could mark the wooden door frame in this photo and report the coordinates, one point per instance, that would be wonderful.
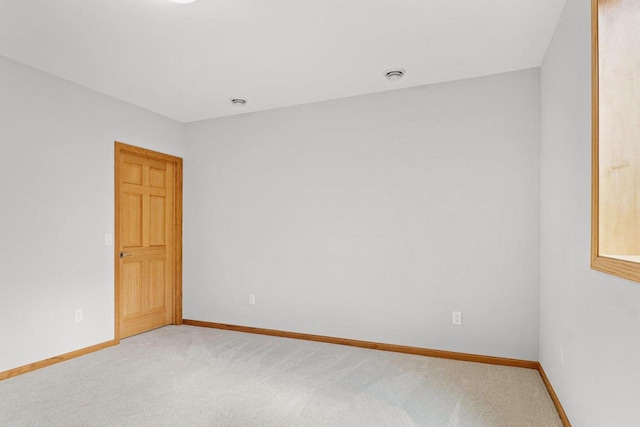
(121, 148)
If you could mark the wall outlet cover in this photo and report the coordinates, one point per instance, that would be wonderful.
(457, 318)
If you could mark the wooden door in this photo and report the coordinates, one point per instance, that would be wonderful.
(148, 248)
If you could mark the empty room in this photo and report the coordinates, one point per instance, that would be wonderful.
(320, 213)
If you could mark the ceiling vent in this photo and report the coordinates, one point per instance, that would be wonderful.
(239, 102)
(394, 74)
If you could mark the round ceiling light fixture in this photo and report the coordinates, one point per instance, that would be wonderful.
(394, 74)
(238, 102)
(183, 1)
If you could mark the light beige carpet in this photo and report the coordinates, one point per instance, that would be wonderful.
(190, 376)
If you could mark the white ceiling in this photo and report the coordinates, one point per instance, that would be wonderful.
(186, 61)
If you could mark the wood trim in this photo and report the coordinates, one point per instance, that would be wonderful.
(116, 241)
(595, 132)
(554, 397)
(177, 280)
(149, 153)
(120, 148)
(53, 360)
(616, 267)
(371, 345)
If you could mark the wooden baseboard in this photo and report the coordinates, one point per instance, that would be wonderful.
(372, 345)
(53, 360)
(554, 397)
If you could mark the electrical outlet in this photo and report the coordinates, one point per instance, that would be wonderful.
(457, 318)
(78, 315)
(252, 299)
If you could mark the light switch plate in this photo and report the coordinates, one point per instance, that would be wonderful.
(108, 239)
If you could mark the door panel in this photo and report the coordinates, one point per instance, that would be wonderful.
(131, 215)
(132, 287)
(157, 178)
(132, 173)
(157, 222)
(146, 236)
(157, 285)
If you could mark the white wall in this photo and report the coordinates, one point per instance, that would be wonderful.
(373, 217)
(56, 196)
(594, 317)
